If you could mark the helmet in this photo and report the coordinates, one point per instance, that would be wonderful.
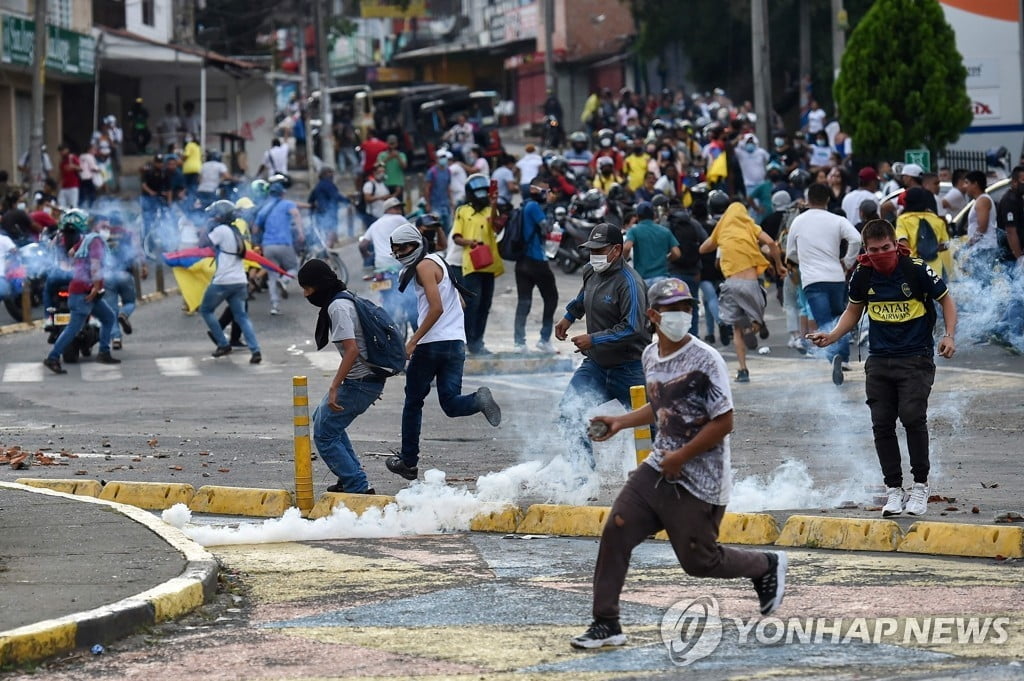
(592, 199)
(427, 220)
(477, 186)
(558, 163)
(213, 155)
(259, 189)
(244, 203)
(277, 189)
(800, 178)
(278, 177)
(659, 201)
(605, 137)
(657, 123)
(578, 137)
(223, 211)
(560, 212)
(75, 219)
(718, 202)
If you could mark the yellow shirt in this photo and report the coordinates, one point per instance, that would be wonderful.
(192, 159)
(736, 236)
(635, 167)
(906, 229)
(605, 183)
(476, 226)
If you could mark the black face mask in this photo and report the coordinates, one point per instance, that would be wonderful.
(321, 296)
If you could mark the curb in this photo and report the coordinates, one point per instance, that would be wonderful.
(754, 529)
(516, 364)
(173, 598)
(18, 327)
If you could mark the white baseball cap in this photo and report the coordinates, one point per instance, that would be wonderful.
(912, 170)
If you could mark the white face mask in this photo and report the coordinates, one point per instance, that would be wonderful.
(675, 324)
(104, 234)
(599, 262)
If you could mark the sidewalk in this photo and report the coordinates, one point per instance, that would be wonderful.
(75, 571)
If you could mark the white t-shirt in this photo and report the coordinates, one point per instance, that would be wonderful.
(452, 323)
(379, 234)
(852, 201)
(210, 174)
(752, 164)
(529, 165)
(457, 183)
(7, 248)
(820, 156)
(89, 167)
(956, 200)
(813, 242)
(988, 238)
(345, 326)
(276, 159)
(230, 249)
(815, 120)
(376, 189)
(686, 390)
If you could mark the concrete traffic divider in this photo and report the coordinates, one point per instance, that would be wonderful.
(956, 539)
(516, 364)
(155, 496)
(572, 521)
(755, 529)
(851, 534)
(357, 503)
(85, 488)
(505, 519)
(248, 501)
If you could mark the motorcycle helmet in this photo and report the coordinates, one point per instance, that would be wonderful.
(616, 192)
(222, 212)
(276, 189)
(476, 189)
(660, 201)
(578, 138)
(558, 163)
(75, 219)
(244, 203)
(605, 138)
(592, 200)
(279, 179)
(718, 202)
(800, 178)
(259, 189)
(427, 221)
(658, 125)
(560, 213)
(213, 155)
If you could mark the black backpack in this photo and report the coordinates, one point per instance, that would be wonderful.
(927, 241)
(385, 347)
(513, 244)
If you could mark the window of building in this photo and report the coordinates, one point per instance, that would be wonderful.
(59, 13)
(149, 12)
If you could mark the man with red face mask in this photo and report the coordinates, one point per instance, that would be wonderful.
(897, 292)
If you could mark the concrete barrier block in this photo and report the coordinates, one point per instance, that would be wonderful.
(357, 503)
(957, 539)
(852, 534)
(83, 488)
(248, 501)
(155, 496)
(505, 519)
(572, 521)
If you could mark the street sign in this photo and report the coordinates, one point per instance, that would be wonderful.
(66, 52)
(921, 157)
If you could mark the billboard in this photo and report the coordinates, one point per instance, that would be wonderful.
(393, 9)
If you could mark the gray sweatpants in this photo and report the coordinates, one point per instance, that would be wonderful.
(646, 505)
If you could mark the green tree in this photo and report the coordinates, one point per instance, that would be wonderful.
(902, 82)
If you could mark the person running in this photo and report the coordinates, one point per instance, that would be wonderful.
(897, 291)
(653, 245)
(437, 350)
(277, 230)
(354, 388)
(683, 485)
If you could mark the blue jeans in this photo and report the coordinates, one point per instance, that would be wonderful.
(709, 296)
(120, 284)
(400, 306)
(80, 311)
(478, 308)
(329, 434)
(590, 386)
(440, 360)
(827, 300)
(236, 295)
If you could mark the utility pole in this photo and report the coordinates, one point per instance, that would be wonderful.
(35, 142)
(805, 53)
(549, 49)
(304, 95)
(762, 68)
(323, 59)
(839, 24)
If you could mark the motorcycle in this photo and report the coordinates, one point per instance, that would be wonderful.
(571, 254)
(32, 265)
(59, 316)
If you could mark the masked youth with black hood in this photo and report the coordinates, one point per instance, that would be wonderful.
(354, 387)
(437, 350)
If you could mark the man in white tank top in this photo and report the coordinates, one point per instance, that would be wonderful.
(437, 351)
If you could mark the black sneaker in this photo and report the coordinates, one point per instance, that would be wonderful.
(126, 326)
(598, 635)
(743, 376)
(54, 366)
(237, 343)
(762, 331)
(336, 487)
(837, 370)
(750, 338)
(222, 350)
(255, 359)
(771, 586)
(398, 467)
(106, 358)
(725, 333)
(490, 408)
(709, 339)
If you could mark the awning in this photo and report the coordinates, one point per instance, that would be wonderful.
(121, 51)
(501, 50)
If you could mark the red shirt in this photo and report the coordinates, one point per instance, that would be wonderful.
(371, 150)
(84, 271)
(69, 176)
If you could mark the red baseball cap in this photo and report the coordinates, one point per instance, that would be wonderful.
(868, 174)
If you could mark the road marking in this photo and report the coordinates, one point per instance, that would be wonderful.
(93, 372)
(177, 366)
(23, 372)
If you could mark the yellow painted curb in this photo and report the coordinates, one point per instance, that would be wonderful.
(758, 529)
(851, 534)
(176, 597)
(83, 488)
(36, 642)
(573, 521)
(505, 520)
(250, 501)
(155, 496)
(950, 539)
(357, 503)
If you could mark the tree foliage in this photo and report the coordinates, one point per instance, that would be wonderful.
(902, 83)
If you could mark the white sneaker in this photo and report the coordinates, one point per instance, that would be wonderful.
(793, 342)
(275, 310)
(918, 502)
(520, 349)
(894, 505)
(546, 346)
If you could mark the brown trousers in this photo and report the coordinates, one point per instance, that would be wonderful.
(648, 504)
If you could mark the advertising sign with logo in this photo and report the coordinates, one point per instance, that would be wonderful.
(66, 52)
